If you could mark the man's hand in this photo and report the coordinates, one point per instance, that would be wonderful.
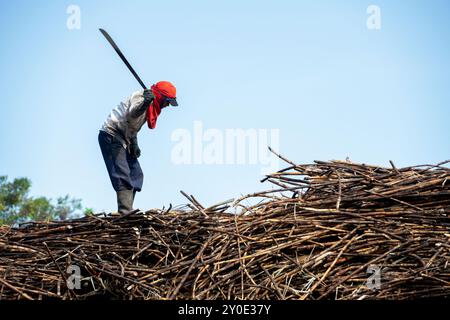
(135, 152)
(148, 96)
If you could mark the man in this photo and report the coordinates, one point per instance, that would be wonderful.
(118, 139)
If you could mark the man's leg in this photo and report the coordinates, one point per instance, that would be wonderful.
(136, 174)
(115, 157)
(124, 201)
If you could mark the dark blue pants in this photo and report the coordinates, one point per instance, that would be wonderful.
(124, 170)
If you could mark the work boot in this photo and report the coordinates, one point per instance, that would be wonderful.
(125, 201)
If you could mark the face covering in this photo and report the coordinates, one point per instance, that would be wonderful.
(160, 90)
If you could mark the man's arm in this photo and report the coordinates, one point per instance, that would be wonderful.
(134, 148)
(140, 101)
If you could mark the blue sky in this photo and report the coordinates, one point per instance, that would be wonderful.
(311, 69)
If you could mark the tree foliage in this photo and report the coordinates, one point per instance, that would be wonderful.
(16, 206)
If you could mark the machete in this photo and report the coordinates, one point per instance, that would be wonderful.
(114, 45)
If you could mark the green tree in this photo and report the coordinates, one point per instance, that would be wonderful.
(16, 206)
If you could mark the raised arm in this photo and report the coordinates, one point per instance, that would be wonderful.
(140, 101)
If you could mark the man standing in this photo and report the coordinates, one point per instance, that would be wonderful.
(118, 139)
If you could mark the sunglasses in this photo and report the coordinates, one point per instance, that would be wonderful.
(169, 101)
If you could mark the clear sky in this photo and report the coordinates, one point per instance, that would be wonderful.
(311, 69)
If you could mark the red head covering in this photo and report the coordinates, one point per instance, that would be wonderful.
(160, 90)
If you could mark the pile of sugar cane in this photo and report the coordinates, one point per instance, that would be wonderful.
(329, 230)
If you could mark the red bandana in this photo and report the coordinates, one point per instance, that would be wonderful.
(160, 90)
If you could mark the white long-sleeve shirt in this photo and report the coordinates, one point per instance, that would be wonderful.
(125, 121)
